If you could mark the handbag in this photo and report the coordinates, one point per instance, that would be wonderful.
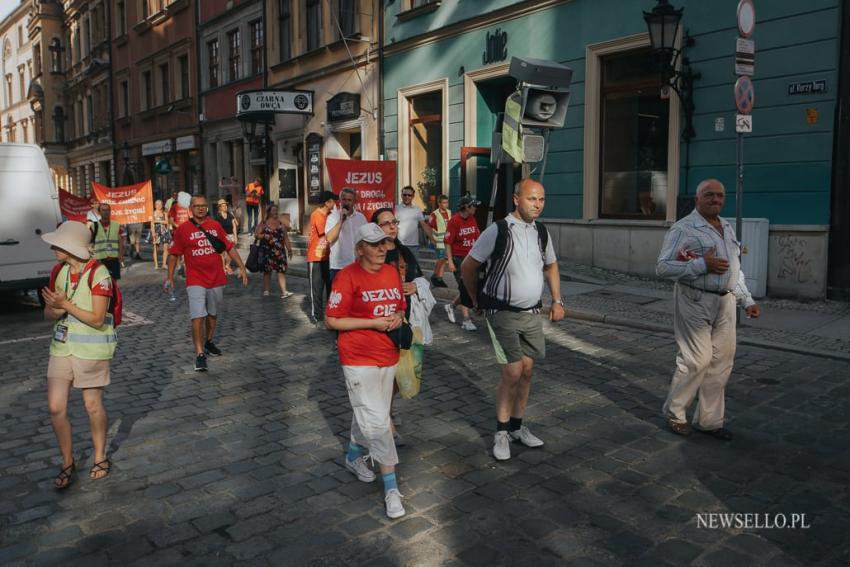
(403, 336)
(253, 261)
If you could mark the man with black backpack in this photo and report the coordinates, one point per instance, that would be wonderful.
(518, 253)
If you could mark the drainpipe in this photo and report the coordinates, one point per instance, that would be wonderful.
(382, 150)
(196, 29)
(111, 106)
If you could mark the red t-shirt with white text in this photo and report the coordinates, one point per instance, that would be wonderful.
(203, 263)
(178, 215)
(365, 295)
(461, 234)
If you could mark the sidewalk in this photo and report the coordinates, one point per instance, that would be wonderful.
(820, 328)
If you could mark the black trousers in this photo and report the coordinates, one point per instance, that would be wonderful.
(320, 287)
(114, 267)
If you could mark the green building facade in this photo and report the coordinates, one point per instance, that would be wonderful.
(619, 172)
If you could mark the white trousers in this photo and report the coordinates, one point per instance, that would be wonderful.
(704, 325)
(370, 391)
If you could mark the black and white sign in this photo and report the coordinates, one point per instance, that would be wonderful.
(745, 56)
(807, 87)
(314, 161)
(743, 123)
(274, 102)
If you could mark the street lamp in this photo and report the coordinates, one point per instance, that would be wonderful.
(664, 25)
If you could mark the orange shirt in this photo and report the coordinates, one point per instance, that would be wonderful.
(317, 246)
(364, 295)
(253, 192)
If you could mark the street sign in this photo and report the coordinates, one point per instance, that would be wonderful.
(745, 95)
(743, 123)
(746, 18)
(745, 56)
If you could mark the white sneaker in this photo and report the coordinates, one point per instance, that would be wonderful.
(502, 446)
(450, 312)
(524, 436)
(360, 469)
(468, 325)
(393, 502)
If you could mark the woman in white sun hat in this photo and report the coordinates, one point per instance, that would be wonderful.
(84, 340)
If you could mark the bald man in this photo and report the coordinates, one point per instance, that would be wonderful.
(511, 297)
(700, 253)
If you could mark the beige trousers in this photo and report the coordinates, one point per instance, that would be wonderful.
(704, 324)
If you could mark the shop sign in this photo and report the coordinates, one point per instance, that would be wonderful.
(314, 169)
(155, 148)
(807, 87)
(185, 143)
(496, 47)
(274, 102)
(344, 106)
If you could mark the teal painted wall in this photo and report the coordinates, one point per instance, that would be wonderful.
(788, 162)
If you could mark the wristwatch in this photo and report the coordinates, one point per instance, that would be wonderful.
(558, 301)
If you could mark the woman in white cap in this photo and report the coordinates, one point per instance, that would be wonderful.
(84, 341)
(366, 303)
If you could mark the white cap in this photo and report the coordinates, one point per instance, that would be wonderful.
(371, 233)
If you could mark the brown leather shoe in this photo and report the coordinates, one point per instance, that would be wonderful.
(720, 433)
(679, 428)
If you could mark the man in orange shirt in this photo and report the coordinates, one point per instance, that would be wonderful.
(318, 254)
(253, 193)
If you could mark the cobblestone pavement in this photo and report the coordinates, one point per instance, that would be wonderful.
(244, 463)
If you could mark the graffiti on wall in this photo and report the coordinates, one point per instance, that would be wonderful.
(794, 260)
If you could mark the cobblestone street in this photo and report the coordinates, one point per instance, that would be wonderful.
(245, 462)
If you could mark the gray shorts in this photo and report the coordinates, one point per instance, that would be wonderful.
(515, 335)
(204, 301)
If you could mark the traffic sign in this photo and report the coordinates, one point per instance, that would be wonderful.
(745, 56)
(746, 18)
(743, 123)
(745, 95)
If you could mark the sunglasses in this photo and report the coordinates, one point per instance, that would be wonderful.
(407, 194)
(393, 222)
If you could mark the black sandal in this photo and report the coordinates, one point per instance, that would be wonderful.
(98, 467)
(63, 479)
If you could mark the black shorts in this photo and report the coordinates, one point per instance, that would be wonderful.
(465, 300)
(114, 267)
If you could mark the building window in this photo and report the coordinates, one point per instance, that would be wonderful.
(347, 13)
(9, 89)
(146, 9)
(11, 132)
(212, 56)
(234, 47)
(124, 101)
(55, 55)
(164, 83)
(425, 138)
(183, 62)
(285, 29)
(25, 132)
(257, 47)
(20, 36)
(22, 82)
(85, 31)
(314, 24)
(90, 113)
(59, 124)
(147, 92)
(634, 137)
(121, 18)
(36, 57)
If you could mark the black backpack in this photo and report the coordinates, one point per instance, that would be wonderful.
(490, 271)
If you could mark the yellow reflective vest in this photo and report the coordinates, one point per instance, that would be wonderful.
(82, 340)
(106, 241)
(440, 231)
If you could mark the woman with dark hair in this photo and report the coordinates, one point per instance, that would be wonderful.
(397, 253)
(271, 234)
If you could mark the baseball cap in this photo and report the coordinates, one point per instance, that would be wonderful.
(467, 200)
(371, 233)
(328, 195)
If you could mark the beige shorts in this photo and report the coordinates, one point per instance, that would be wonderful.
(80, 372)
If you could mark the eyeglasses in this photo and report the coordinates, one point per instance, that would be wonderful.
(393, 222)
(200, 206)
(407, 194)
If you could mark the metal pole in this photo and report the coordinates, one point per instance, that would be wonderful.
(545, 154)
(739, 200)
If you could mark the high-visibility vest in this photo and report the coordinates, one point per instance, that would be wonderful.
(83, 341)
(440, 232)
(512, 127)
(106, 241)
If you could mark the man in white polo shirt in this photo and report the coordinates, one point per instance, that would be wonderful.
(520, 253)
(340, 230)
(410, 218)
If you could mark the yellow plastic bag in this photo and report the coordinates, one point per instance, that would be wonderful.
(405, 375)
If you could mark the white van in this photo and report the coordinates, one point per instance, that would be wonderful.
(29, 205)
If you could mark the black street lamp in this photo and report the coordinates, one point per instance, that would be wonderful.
(664, 25)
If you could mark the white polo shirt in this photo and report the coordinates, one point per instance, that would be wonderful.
(517, 278)
(408, 226)
(342, 250)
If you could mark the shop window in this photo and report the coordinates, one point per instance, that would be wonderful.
(234, 43)
(257, 47)
(425, 150)
(633, 141)
(314, 24)
(285, 29)
(212, 62)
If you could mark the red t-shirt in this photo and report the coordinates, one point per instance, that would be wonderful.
(103, 287)
(203, 263)
(178, 215)
(318, 249)
(362, 294)
(433, 219)
(461, 234)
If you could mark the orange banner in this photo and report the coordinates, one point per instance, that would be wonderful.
(73, 208)
(129, 204)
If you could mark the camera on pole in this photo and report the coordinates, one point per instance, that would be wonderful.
(538, 105)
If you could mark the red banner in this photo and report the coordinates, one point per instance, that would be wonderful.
(73, 208)
(374, 182)
(129, 204)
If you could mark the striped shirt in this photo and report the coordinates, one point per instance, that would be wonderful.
(681, 258)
